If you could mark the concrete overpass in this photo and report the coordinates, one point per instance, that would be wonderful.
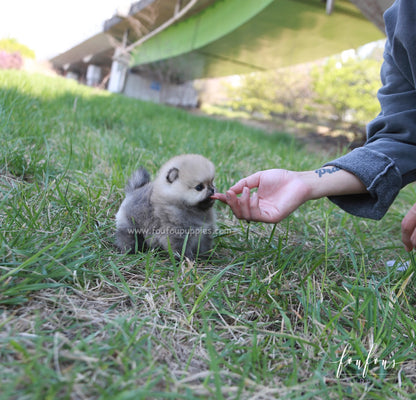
(176, 41)
(240, 36)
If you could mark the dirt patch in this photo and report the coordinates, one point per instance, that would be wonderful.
(318, 138)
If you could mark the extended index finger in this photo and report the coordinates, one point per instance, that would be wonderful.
(251, 181)
(220, 197)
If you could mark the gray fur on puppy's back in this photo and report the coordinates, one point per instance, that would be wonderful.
(134, 209)
(138, 179)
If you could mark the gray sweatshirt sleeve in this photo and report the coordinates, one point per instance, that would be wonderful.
(387, 162)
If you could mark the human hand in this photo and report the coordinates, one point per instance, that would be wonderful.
(279, 193)
(409, 229)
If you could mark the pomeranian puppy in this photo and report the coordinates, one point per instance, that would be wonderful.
(175, 210)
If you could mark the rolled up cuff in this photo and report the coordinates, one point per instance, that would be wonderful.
(380, 176)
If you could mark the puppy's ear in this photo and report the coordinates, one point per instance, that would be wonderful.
(172, 175)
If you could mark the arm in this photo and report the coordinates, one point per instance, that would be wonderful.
(387, 162)
(280, 192)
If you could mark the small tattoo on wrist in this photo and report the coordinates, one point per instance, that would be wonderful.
(323, 171)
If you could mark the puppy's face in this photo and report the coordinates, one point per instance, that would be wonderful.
(187, 180)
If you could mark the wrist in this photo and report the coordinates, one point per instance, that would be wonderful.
(330, 181)
(314, 187)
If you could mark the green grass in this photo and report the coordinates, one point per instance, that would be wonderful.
(268, 316)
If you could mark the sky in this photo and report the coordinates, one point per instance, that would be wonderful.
(50, 27)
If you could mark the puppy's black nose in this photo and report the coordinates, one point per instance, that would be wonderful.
(211, 190)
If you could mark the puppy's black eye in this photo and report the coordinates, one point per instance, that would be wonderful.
(199, 187)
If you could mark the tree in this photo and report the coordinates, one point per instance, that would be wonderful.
(10, 60)
(348, 88)
(285, 92)
(13, 46)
